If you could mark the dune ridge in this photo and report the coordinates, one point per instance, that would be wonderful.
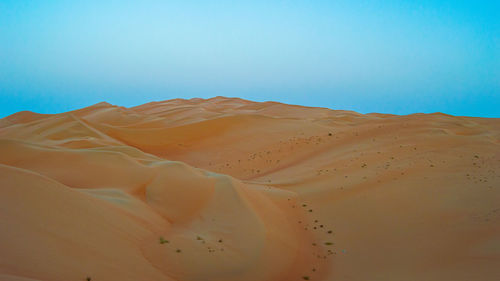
(230, 189)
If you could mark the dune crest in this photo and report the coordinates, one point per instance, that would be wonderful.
(227, 189)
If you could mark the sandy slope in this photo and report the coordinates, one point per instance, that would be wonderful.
(229, 189)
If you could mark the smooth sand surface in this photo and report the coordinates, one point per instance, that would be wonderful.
(227, 189)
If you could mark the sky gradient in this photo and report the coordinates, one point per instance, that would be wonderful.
(388, 56)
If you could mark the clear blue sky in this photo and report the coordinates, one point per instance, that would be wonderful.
(369, 56)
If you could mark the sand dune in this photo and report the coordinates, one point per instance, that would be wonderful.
(229, 189)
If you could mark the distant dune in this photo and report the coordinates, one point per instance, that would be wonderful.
(226, 189)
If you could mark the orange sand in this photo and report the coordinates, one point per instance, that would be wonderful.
(226, 189)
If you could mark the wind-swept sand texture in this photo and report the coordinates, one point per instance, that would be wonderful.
(227, 189)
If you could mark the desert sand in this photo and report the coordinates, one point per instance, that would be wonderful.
(226, 189)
